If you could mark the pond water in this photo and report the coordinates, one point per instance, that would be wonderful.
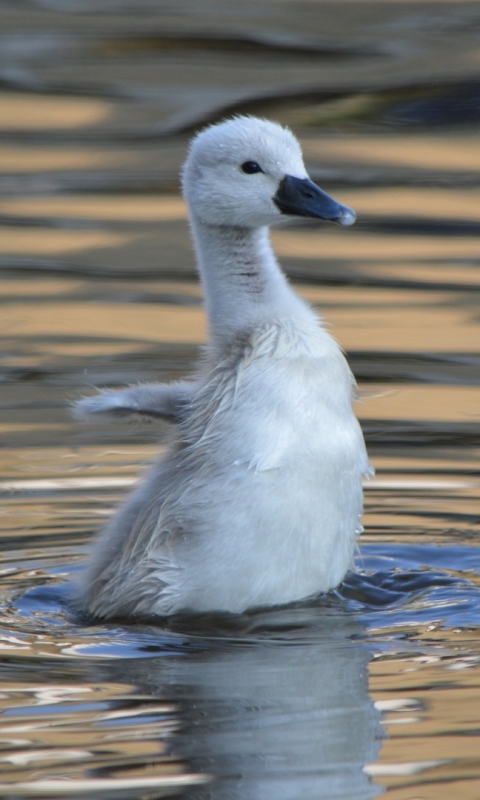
(374, 688)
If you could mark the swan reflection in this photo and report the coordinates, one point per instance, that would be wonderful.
(281, 710)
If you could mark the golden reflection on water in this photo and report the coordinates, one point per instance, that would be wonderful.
(436, 701)
(423, 500)
(84, 735)
(389, 328)
(421, 202)
(419, 403)
(445, 152)
(32, 241)
(396, 319)
(106, 207)
(356, 244)
(435, 273)
(36, 159)
(34, 112)
(156, 323)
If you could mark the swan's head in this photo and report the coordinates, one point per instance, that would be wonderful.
(249, 172)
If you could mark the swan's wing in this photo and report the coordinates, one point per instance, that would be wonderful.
(165, 401)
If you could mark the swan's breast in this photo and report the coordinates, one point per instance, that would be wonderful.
(287, 402)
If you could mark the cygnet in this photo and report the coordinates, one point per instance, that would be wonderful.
(257, 501)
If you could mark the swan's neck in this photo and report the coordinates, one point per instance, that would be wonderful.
(243, 284)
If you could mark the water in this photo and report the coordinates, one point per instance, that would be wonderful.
(375, 688)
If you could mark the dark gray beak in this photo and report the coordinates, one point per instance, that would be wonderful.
(301, 197)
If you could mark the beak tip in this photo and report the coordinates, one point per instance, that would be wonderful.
(346, 217)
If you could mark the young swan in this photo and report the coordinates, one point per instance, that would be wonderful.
(258, 502)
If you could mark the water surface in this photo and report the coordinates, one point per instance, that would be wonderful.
(374, 688)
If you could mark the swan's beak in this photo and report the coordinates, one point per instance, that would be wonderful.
(301, 197)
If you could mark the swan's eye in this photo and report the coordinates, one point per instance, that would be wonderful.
(250, 167)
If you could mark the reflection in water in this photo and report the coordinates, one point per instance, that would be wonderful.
(428, 152)
(266, 705)
(49, 112)
(274, 718)
(113, 208)
(99, 290)
(15, 159)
